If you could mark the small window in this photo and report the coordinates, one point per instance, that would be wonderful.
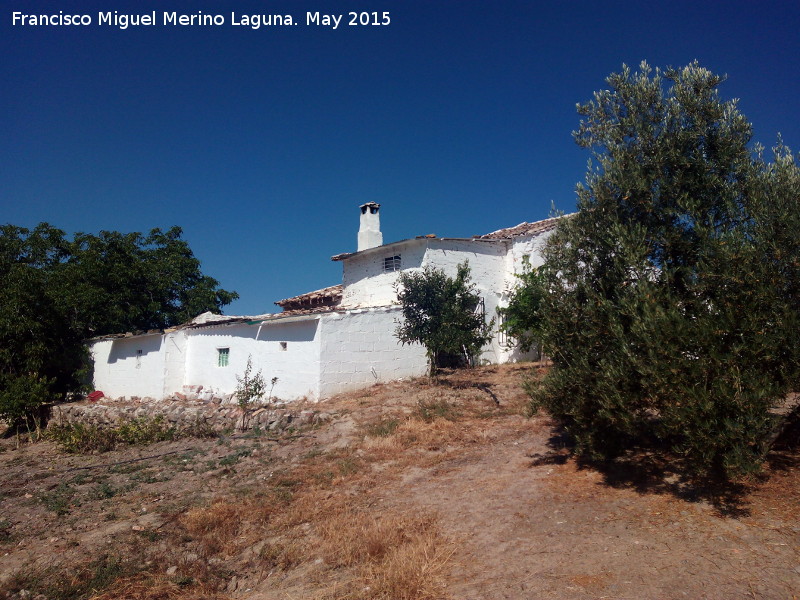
(139, 359)
(391, 263)
(284, 345)
(223, 354)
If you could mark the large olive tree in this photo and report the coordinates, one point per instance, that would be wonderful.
(673, 303)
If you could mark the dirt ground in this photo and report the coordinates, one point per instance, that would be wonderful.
(414, 489)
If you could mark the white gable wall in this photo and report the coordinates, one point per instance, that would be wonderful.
(364, 280)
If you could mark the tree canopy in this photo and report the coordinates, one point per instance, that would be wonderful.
(440, 312)
(57, 292)
(523, 318)
(673, 304)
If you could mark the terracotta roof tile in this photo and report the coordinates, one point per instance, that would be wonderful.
(326, 297)
(522, 229)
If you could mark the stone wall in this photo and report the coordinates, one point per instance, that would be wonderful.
(186, 414)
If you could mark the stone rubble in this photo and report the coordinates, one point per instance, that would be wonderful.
(186, 411)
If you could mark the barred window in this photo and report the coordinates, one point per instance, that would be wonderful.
(223, 354)
(391, 263)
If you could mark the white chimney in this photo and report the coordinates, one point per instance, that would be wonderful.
(369, 231)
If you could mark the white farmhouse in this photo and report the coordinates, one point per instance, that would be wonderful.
(324, 342)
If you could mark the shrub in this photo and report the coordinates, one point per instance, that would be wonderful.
(440, 312)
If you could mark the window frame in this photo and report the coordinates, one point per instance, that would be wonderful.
(393, 263)
(223, 357)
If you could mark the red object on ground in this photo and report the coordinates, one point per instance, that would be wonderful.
(95, 396)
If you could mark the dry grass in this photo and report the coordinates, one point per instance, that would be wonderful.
(387, 554)
(156, 587)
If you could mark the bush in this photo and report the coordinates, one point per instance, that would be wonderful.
(440, 313)
(87, 439)
(22, 399)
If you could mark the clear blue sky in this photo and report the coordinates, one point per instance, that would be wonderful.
(261, 144)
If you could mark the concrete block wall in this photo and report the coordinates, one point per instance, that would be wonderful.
(359, 348)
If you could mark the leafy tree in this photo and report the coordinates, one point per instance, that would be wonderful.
(57, 292)
(673, 309)
(439, 312)
(523, 317)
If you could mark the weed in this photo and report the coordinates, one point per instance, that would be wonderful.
(383, 428)
(149, 476)
(430, 410)
(5, 531)
(87, 439)
(150, 535)
(199, 429)
(83, 582)
(80, 478)
(145, 430)
(82, 439)
(103, 491)
(347, 466)
(129, 468)
(181, 460)
(232, 459)
(59, 500)
(313, 453)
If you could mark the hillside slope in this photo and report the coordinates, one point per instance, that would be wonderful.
(414, 489)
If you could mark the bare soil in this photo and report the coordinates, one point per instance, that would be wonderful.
(415, 489)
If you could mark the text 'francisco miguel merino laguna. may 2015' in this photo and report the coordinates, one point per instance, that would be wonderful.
(200, 19)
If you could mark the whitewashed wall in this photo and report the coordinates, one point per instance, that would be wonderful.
(365, 283)
(121, 370)
(175, 352)
(296, 367)
(359, 348)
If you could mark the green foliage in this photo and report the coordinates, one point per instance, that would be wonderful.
(59, 499)
(673, 298)
(523, 318)
(232, 459)
(439, 312)
(251, 387)
(21, 396)
(58, 292)
(86, 581)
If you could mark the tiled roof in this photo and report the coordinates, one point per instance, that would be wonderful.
(522, 229)
(326, 297)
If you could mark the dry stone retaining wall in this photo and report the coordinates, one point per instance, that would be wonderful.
(186, 413)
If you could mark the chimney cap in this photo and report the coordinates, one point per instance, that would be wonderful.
(373, 208)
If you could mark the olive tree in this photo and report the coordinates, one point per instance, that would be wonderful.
(672, 309)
